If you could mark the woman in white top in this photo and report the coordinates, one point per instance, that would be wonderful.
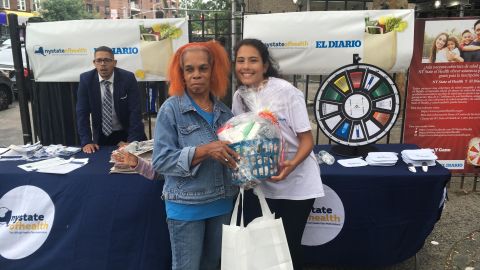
(290, 194)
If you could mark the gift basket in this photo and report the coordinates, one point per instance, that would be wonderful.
(256, 137)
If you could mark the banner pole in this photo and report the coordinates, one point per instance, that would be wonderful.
(20, 78)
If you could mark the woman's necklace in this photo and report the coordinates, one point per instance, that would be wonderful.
(206, 107)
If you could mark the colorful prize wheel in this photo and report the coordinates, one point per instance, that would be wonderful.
(357, 105)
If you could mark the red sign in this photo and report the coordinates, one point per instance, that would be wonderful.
(443, 95)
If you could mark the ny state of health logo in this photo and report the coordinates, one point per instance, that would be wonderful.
(38, 50)
(5, 216)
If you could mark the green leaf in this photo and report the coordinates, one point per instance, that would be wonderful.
(62, 10)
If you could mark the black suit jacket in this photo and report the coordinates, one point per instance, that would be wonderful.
(126, 100)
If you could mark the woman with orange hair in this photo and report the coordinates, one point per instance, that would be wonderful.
(198, 192)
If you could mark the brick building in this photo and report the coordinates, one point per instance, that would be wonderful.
(110, 9)
(23, 8)
(274, 6)
(124, 9)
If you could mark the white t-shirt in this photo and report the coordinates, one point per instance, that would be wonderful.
(441, 56)
(288, 103)
(455, 51)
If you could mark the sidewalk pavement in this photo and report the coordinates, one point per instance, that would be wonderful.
(10, 126)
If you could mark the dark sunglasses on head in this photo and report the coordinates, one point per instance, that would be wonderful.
(103, 60)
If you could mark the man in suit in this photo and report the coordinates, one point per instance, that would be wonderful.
(111, 96)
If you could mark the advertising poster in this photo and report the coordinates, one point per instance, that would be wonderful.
(61, 51)
(319, 42)
(443, 98)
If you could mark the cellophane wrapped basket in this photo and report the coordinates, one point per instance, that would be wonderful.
(256, 137)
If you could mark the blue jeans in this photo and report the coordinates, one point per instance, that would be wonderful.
(197, 244)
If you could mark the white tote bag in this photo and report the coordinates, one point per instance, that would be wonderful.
(262, 245)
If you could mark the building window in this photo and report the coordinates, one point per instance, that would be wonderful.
(89, 8)
(316, 5)
(21, 5)
(336, 5)
(36, 5)
(356, 5)
(5, 4)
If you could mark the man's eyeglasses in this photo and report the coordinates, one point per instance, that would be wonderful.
(103, 61)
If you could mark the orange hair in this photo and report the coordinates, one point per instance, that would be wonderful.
(219, 62)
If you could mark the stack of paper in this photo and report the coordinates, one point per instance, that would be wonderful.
(138, 148)
(381, 158)
(141, 149)
(352, 162)
(34, 152)
(419, 157)
(54, 150)
(20, 152)
(27, 149)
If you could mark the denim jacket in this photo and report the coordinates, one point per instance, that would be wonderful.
(179, 129)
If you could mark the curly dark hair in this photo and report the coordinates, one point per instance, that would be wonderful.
(263, 50)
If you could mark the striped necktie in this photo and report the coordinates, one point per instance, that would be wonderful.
(107, 109)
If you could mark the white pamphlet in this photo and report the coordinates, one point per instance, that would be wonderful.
(352, 162)
(73, 164)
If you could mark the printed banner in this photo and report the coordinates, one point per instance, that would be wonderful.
(26, 219)
(320, 42)
(326, 219)
(443, 100)
(61, 51)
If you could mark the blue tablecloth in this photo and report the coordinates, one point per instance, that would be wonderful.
(389, 211)
(117, 221)
(102, 220)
